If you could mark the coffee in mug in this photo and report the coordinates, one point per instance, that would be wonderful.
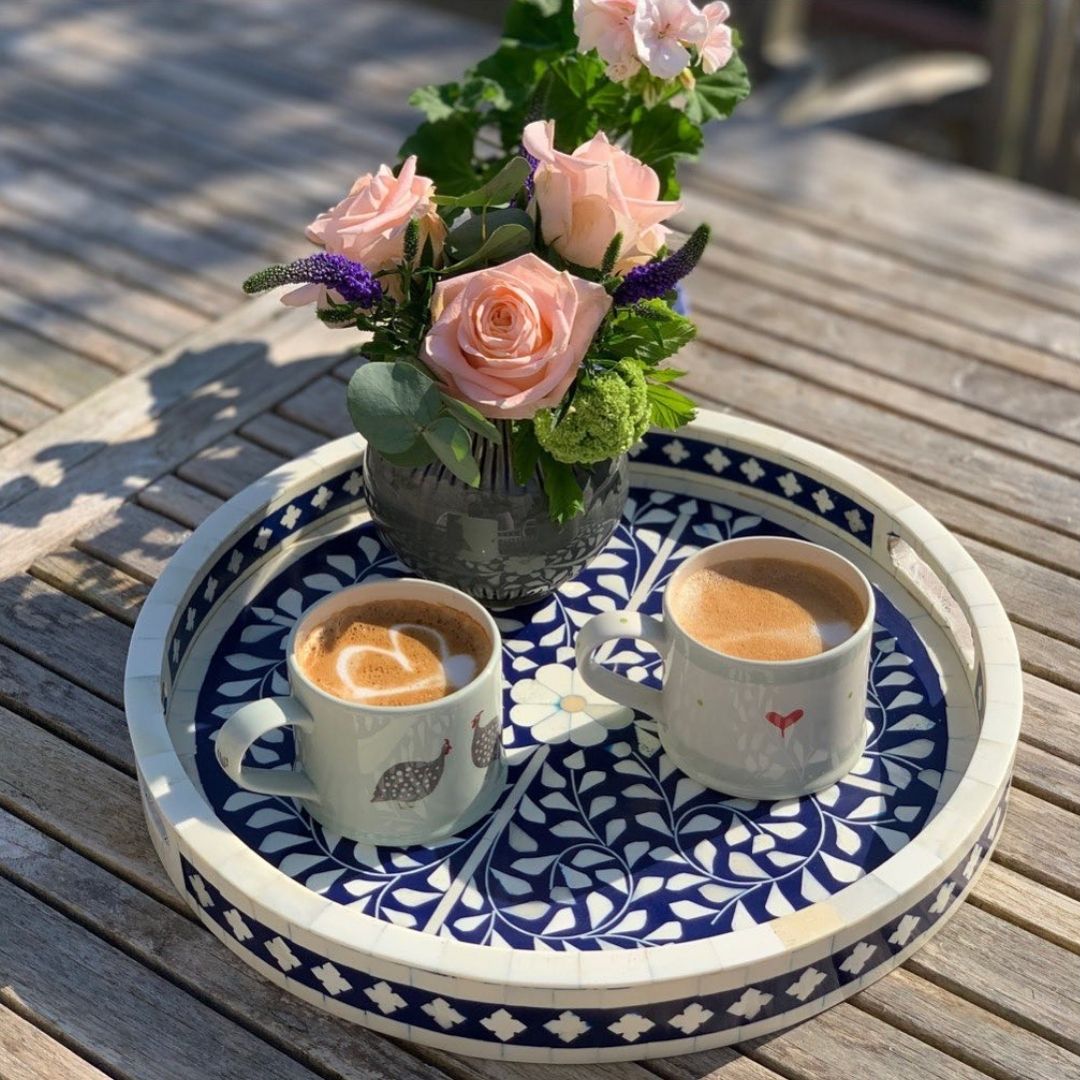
(767, 609)
(396, 709)
(766, 647)
(394, 652)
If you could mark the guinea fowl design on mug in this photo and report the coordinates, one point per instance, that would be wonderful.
(411, 781)
(485, 741)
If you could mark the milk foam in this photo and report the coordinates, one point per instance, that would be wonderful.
(394, 652)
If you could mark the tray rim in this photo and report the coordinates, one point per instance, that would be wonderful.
(281, 900)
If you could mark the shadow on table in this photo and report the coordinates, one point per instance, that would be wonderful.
(36, 491)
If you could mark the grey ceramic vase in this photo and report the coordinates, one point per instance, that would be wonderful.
(496, 541)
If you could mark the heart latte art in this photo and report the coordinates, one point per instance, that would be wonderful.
(394, 652)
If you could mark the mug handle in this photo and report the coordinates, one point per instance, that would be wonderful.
(249, 724)
(608, 627)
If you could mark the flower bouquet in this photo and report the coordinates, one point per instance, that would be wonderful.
(516, 279)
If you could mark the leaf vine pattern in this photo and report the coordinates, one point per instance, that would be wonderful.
(608, 845)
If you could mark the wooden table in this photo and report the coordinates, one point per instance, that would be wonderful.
(923, 319)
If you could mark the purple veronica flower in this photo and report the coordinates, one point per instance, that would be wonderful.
(657, 279)
(352, 281)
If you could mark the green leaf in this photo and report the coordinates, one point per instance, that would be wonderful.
(564, 494)
(435, 102)
(669, 409)
(541, 24)
(390, 403)
(472, 418)
(649, 333)
(715, 96)
(524, 451)
(665, 375)
(445, 151)
(416, 457)
(501, 188)
(664, 136)
(453, 447)
(505, 243)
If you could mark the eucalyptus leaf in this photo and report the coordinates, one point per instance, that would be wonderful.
(505, 243)
(501, 188)
(469, 237)
(453, 447)
(390, 403)
(471, 418)
(416, 457)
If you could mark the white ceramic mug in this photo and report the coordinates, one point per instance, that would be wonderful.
(757, 729)
(385, 774)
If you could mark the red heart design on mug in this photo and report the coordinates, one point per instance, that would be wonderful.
(784, 722)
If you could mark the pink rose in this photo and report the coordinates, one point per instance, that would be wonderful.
(608, 27)
(510, 339)
(586, 197)
(369, 224)
(662, 30)
(717, 48)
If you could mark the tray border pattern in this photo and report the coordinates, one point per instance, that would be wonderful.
(319, 485)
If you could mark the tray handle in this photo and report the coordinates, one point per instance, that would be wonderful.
(921, 579)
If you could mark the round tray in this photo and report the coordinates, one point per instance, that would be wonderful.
(608, 907)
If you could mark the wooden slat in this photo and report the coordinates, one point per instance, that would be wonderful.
(67, 636)
(1047, 776)
(1039, 910)
(92, 300)
(43, 371)
(1052, 718)
(62, 707)
(174, 498)
(44, 519)
(1050, 659)
(1027, 981)
(1006, 235)
(20, 412)
(172, 944)
(876, 434)
(113, 1009)
(94, 582)
(1032, 594)
(229, 465)
(814, 367)
(1043, 842)
(842, 1043)
(838, 277)
(991, 524)
(69, 333)
(321, 406)
(135, 540)
(42, 458)
(282, 436)
(972, 1034)
(26, 1053)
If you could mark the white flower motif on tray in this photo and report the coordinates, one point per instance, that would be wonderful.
(823, 500)
(717, 460)
(443, 1013)
(282, 954)
(855, 521)
(236, 560)
(631, 1027)
(691, 1018)
(557, 706)
(502, 1025)
(383, 995)
(789, 484)
(568, 1027)
(332, 979)
(676, 452)
(857, 960)
(241, 930)
(752, 470)
(902, 934)
(806, 984)
(353, 484)
(751, 1003)
(262, 538)
(198, 887)
(321, 497)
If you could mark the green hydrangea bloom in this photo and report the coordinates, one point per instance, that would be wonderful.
(608, 415)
